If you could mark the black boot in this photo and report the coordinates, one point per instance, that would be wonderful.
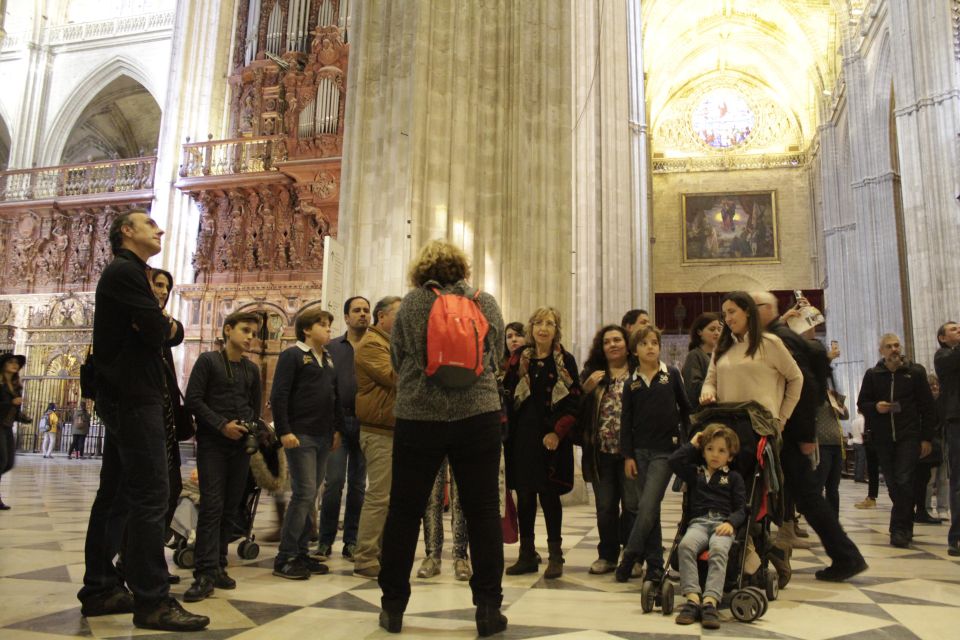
(527, 562)
(490, 620)
(392, 622)
(625, 568)
(555, 561)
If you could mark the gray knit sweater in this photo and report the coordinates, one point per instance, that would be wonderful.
(421, 399)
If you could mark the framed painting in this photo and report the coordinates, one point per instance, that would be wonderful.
(731, 227)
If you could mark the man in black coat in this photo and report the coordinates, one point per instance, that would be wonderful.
(901, 417)
(947, 364)
(799, 447)
(129, 330)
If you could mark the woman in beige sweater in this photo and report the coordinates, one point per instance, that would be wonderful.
(749, 364)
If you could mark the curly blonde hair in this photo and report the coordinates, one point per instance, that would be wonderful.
(541, 314)
(440, 261)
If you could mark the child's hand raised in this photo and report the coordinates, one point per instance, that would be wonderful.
(725, 529)
(695, 440)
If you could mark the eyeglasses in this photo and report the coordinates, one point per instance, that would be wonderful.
(544, 323)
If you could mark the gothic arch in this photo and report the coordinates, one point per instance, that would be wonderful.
(87, 89)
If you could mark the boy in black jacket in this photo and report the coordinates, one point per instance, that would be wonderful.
(223, 393)
(655, 409)
(716, 506)
(309, 420)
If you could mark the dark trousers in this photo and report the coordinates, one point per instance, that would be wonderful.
(898, 460)
(873, 471)
(800, 477)
(921, 478)
(133, 493)
(616, 498)
(552, 512)
(951, 435)
(77, 444)
(473, 449)
(223, 481)
(347, 466)
(828, 474)
(859, 463)
(8, 449)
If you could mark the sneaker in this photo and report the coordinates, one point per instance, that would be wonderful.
(926, 518)
(709, 616)
(201, 588)
(323, 552)
(348, 550)
(462, 570)
(292, 569)
(839, 572)
(372, 572)
(169, 616)
(314, 566)
(601, 566)
(118, 601)
(224, 581)
(866, 503)
(689, 613)
(900, 539)
(429, 567)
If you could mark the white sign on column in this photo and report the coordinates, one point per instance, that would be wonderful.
(331, 292)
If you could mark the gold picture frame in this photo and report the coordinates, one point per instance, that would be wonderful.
(730, 227)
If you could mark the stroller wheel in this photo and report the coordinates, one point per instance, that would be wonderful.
(773, 584)
(184, 558)
(248, 550)
(746, 605)
(666, 597)
(648, 596)
(763, 599)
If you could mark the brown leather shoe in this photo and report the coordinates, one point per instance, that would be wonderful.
(169, 616)
(117, 602)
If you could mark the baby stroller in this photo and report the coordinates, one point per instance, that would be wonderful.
(748, 588)
(268, 470)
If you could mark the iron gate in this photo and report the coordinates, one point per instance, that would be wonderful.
(38, 393)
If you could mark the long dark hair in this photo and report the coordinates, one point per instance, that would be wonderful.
(517, 327)
(754, 333)
(699, 325)
(153, 279)
(597, 359)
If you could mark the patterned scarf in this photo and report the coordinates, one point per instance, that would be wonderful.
(559, 391)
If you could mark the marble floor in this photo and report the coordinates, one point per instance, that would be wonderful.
(907, 593)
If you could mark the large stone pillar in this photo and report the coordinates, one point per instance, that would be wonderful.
(927, 119)
(458, 126)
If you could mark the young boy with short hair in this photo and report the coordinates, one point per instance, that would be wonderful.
(716, 507)
(308, 417)
(224, 394)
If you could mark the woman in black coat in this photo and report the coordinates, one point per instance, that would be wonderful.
(11, 399)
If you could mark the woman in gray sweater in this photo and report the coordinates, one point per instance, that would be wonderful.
(436, 420)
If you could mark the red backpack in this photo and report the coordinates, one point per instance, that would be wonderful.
(456, 330)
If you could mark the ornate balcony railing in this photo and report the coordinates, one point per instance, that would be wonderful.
(87, 178)
(232, 156)
(86, 31)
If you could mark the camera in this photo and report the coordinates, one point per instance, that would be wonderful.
(257, 434)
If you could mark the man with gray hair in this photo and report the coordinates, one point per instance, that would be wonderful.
(898, 406)
(376, 395)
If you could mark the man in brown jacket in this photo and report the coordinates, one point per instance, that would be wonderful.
(376, 394)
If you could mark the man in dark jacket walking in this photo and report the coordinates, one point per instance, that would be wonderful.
(129, 330)
(898, 406)
(947, 364)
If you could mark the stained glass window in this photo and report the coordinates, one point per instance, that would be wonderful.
(723, 119)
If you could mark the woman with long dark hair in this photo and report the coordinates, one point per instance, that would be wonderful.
(607, 367)
(542, 390)
(704, 335)
(513, 339)
(11, 399)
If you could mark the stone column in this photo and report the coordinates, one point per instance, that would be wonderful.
(639, 159)
(457, 126)
(927, 116)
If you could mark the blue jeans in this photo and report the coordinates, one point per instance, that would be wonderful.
(616, 498)
(346, 464)
(306, 464)
(699, 536)
(952, 438)
(646, 539)
(133, 494)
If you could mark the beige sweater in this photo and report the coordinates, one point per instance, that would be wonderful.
(771, 377)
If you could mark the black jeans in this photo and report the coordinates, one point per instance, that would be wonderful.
(873, 472)
(473, 449)
(921, 478)
(898, 460)
(828, 474)
(8, 449)
(223, 481)
(133, 493)
(77, 444)
(552, 513)
(616, 498)
(951, 435)
(800, 477)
